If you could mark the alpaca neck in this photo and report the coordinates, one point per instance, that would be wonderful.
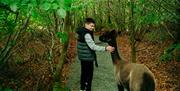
(115, 55)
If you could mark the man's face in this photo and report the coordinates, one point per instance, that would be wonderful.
(90, 26)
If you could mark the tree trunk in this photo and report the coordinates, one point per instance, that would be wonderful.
(63, 57)
(109, 13)
(178, 23)
(7, 49)
(132, 34)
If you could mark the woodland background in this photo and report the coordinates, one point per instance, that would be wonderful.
(38, 44)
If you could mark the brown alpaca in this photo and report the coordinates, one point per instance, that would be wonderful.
(132, 76)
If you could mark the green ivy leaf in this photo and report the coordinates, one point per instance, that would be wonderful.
(61, 12)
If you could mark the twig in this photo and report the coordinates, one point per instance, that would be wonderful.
(143, 49)
(165, 8)
(168, 31)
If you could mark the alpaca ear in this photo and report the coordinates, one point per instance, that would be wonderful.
(113, 32)
(119, 32)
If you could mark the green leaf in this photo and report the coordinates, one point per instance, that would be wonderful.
(67, 1)
(34, 3)
(1, 88)
(5, 2)
(129, 4)
(8, 89)
(13, 7)
(57, 87)
(67, 4)
(11, 26)
(34, 14)
(24, 2)
(51, 1)
(61, 12)
(54, 6)
(46, 6)
(178, 46)
(142, 1)
(59, 34)
(12, 43)
(166, 57)
(137, 10)
(63, 36)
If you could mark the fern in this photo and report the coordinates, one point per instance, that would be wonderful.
(171, 53)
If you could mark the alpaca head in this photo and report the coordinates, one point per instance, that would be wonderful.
(108, 37)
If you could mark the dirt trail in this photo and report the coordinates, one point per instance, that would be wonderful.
(103, 79)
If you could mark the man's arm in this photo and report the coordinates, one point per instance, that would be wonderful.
(92, 44)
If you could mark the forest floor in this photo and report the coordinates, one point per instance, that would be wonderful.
(167, 74)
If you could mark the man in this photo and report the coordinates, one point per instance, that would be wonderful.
(86, 48)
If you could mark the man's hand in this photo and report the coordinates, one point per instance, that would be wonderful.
(110, 49)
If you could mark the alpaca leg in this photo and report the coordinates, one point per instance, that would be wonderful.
(120, 87)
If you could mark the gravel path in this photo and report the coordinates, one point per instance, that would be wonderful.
(103, 79)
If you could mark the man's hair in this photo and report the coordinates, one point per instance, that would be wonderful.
(89, 20)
